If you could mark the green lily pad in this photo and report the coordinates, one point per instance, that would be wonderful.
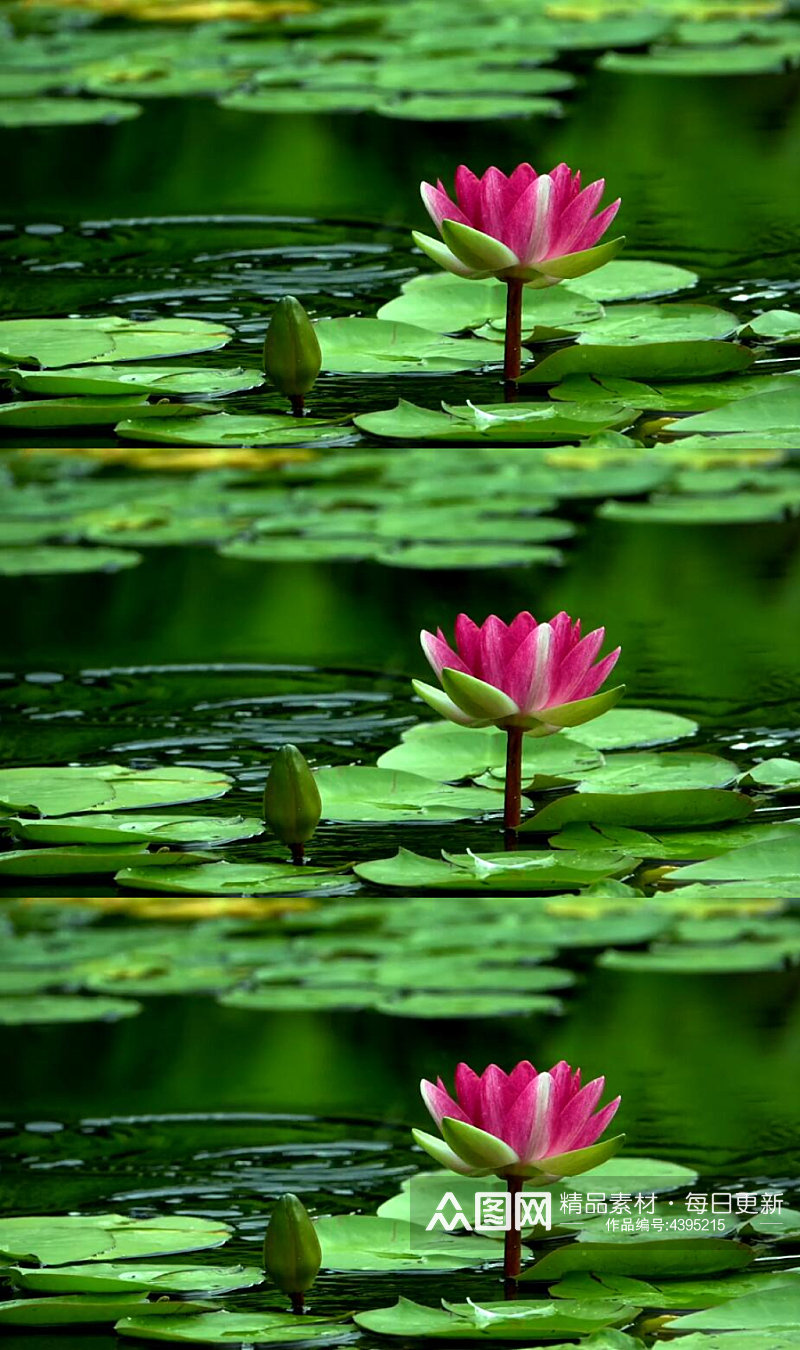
(370, 346)
(70, 342)
(111, 1277)
(524, 1320)
(742, 1340)
(667, 1293)
(643, 361)
(515, 424)
(783, 1226)
(633, 279)
(367, 1242)
(150, 379)
(774, 410)
(41, 1009)
(86, 412)
(446, 108)
(89, 860)
(775, 775)
(446, 752)
(666, 809)
(631, 1256)
(450, 304)
(43, 561)
(56, 112)
(777, 1308)
(248, 430)
(440, 1005)
(781, 326)
(228, 878)
(86, 1309)
(739, 508)
(629, 728)
(659, 770)
(463, 557)
(770, 860)
(744, 59)
(353, 792)
(104, 828)
(52, 1240)
(234, 1328)
(694, 959)
(652, 323)
(542, 871)
(104, 787)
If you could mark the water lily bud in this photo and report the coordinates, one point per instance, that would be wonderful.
(292, 355)
(292, 1254)
(292, 804)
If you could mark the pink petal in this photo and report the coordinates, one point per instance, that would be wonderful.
(440, 653)
(574, 1114)
(492, 652)
(596, 228)
(439, 206)
(492, 1109)
(589, 1132)
(573, 667)
(439, 1102)
(574, 219)
(596, 676)
(492, 204)
(468, 642)
(468, 1091)
(468, 195)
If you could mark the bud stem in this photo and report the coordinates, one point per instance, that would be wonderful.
(512, 362)
(512, 803)
(298, 1303)
(512, 1255)
(298, 405)
(298, 852)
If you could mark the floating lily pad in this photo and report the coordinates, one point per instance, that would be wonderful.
(468, 108)
(772, 860)
(367, 1242)
(100, 1277)
(541, 871)
(249, 430)
(43, 561)
(775, 775)
(100, 828)
(742, 508)
(86, 1309)
(774, 410)
(450, 304)
(518, 423)
(633, 279)
(694, 959)
(643, 361)
(524, 1320)
(150, 379)
(89, 860)
(749, 58)
(234, 1328)
(781, 326)
(36, 1009)
(446, 752)
(659, 770)
(632, 1256)
(370, 346)
(353, 792)
(776, 1308)
(69, 342)
(666, 809)
(626, 728)
(673, 322)
(56, 112)
(52, 1240)
(228, 878)
(104, 787)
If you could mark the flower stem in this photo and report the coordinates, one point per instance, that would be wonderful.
(298, 405)
(512, 362)
(512, 1255)
(512, 803)
(298, 1303)
(298, 852)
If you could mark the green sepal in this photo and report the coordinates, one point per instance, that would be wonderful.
(477, 250)
(573, 1163)
(578, 264)
(583, 709)
(437, 699)
(477, 698)
(445, 1157)
(477, 1147)
(444, 257)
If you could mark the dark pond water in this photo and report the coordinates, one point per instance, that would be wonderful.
(201, 660)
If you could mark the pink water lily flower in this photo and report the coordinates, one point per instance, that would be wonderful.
(536, 677)
(519, 1124)
(536, 228)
